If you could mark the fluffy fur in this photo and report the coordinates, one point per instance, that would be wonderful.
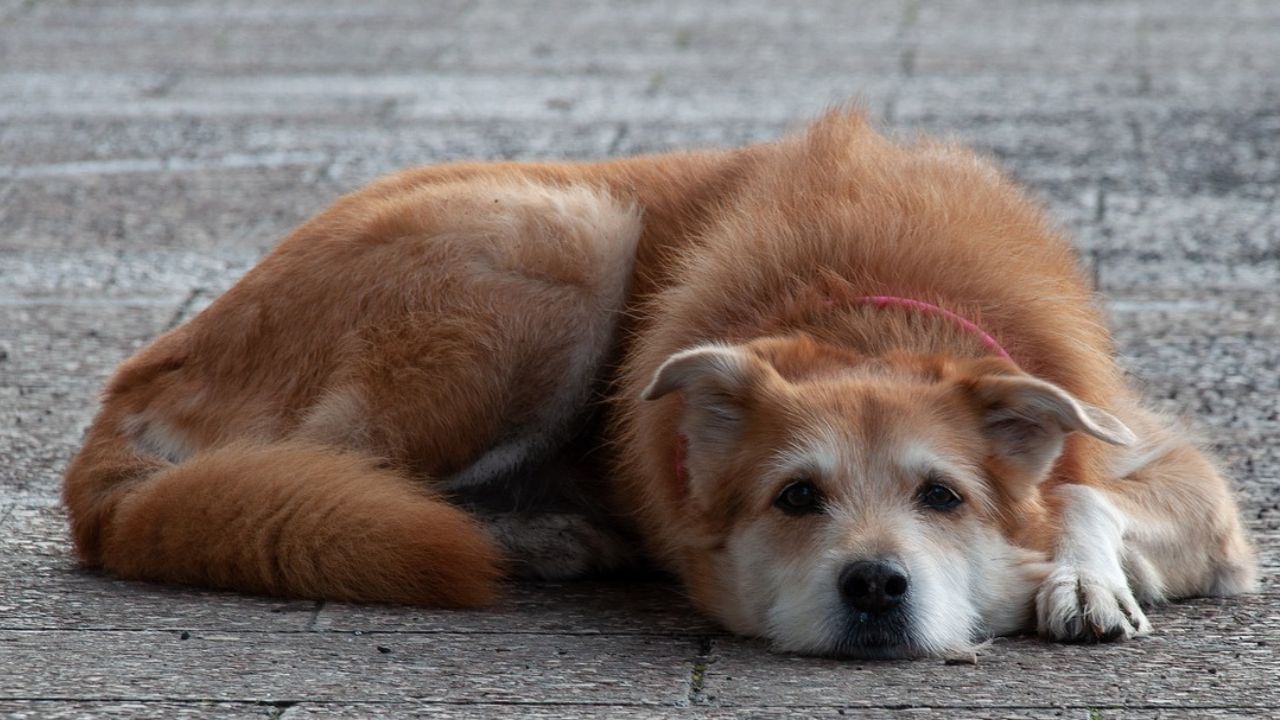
(330, 427)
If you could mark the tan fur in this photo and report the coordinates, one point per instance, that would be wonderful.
(420, 325)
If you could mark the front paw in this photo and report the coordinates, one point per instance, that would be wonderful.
(1074, 605)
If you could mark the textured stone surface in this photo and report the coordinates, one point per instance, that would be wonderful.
(231, 665)
(1203, 652)
(48, 709)
(152, 150)
(42, 710)
(54, 357)
(42, 588)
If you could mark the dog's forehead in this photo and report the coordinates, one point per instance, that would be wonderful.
(866, 443)
(859, 430)
(870, 414)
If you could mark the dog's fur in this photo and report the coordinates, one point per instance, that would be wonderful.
(329, 426)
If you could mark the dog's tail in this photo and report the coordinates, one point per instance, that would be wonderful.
(290, 519)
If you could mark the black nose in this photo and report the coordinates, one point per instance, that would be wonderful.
(873, 586)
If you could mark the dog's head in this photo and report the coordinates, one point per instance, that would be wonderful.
(855, 506)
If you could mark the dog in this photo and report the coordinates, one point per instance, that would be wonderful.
(854, 394)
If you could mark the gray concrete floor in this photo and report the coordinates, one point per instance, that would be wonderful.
(150, 151)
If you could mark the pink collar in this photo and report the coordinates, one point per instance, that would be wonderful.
(930, 309)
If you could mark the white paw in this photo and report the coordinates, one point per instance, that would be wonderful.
(1074, 605)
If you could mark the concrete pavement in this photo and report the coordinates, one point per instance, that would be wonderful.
(151, 151)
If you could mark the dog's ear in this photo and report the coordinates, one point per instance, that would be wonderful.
(719, 383)
(1027, 420)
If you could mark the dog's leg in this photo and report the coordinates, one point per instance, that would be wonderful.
(1184, 537)
(1087, 596)
(1167, 528)
(554, 520)
(558, 546)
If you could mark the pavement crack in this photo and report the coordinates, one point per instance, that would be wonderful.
(618, 136)
(907, 62)
(1136, 134)
(905, 37)
(698, 674)
(278, 707)
(5, 513)
(183, 308)
(163, 86)
(315, 616)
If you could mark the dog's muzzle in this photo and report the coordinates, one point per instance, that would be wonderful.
(876, 594)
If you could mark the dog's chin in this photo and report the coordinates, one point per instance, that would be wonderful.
(879, 640)
(865, 647)
(857, 639)
(895, 647)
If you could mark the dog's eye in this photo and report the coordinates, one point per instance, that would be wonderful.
(798, 498)
(939, 497)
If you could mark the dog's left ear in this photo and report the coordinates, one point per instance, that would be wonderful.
(719, 383)
(1026, 420)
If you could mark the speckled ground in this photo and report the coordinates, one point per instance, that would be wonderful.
(150, 151)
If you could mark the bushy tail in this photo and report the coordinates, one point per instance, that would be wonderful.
(291, 519)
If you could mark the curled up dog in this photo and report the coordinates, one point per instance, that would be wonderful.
(855, 394)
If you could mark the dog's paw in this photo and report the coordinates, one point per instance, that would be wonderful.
(557, 546)
(1074, 605)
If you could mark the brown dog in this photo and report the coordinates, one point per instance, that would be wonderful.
(861, 403)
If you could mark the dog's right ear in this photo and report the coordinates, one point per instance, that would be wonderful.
(718, 382)
(1026, 420)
